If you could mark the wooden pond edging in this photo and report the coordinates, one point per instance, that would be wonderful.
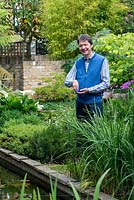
(40, 174)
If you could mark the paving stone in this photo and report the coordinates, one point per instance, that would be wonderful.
(32, 163)
(5, 151)
(18, 157)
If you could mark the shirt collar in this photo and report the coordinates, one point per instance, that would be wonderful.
(87, 60)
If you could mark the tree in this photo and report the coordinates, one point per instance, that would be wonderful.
(7, 35)
(26, 18)
(64, 20)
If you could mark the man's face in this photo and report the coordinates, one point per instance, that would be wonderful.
(85, 48)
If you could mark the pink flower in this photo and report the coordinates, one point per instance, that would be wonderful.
(128, 85)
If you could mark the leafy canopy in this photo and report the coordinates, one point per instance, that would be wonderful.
(64, 20)
(7, 34)
(119, 50)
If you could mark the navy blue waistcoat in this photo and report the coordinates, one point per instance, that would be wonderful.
(90, 78)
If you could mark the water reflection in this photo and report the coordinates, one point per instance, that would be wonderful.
(11, 184)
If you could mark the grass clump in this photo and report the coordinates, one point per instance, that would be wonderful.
(108, 142)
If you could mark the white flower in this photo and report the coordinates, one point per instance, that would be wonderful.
(4, 93)
(28, 92)
(40, 107)
(25, 92)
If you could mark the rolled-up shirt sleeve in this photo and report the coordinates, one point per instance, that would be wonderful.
(71, 76)
(105, 79)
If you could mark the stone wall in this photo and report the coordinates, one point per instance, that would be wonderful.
(27, 75)
(34, 72)
(13, 65)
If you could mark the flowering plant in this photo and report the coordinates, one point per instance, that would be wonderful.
(128, 85)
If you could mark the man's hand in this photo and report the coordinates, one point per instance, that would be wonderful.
(83, 91)
(75, 85)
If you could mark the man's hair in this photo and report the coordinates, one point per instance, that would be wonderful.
(84, 37)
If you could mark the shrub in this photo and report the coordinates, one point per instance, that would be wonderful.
(49, 145)
(31, 118)
(18, 102)
(119, 51)
(16, 136)
(55, 90)
(35, 137)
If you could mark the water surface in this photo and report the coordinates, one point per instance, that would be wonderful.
(11, 184)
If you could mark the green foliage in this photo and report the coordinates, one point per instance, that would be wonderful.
(20, 102)
(16, 135)
(65, 20)
(70, 62)
(53, 195)
(128, 24)
(119, 51)
(77, 197)
(49, 146)
(26, 18)
(39, 135)
(109, 143)
(40, 142)
(36, 194)
(43, 136)
(55, 90)
(52, 136)
(97, 188)
(23, 189)
(7, 34)
(30, 118)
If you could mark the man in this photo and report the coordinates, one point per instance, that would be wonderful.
(89, 77)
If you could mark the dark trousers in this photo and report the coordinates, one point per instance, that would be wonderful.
(87, 111)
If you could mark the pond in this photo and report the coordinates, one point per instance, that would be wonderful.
(11, 184)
